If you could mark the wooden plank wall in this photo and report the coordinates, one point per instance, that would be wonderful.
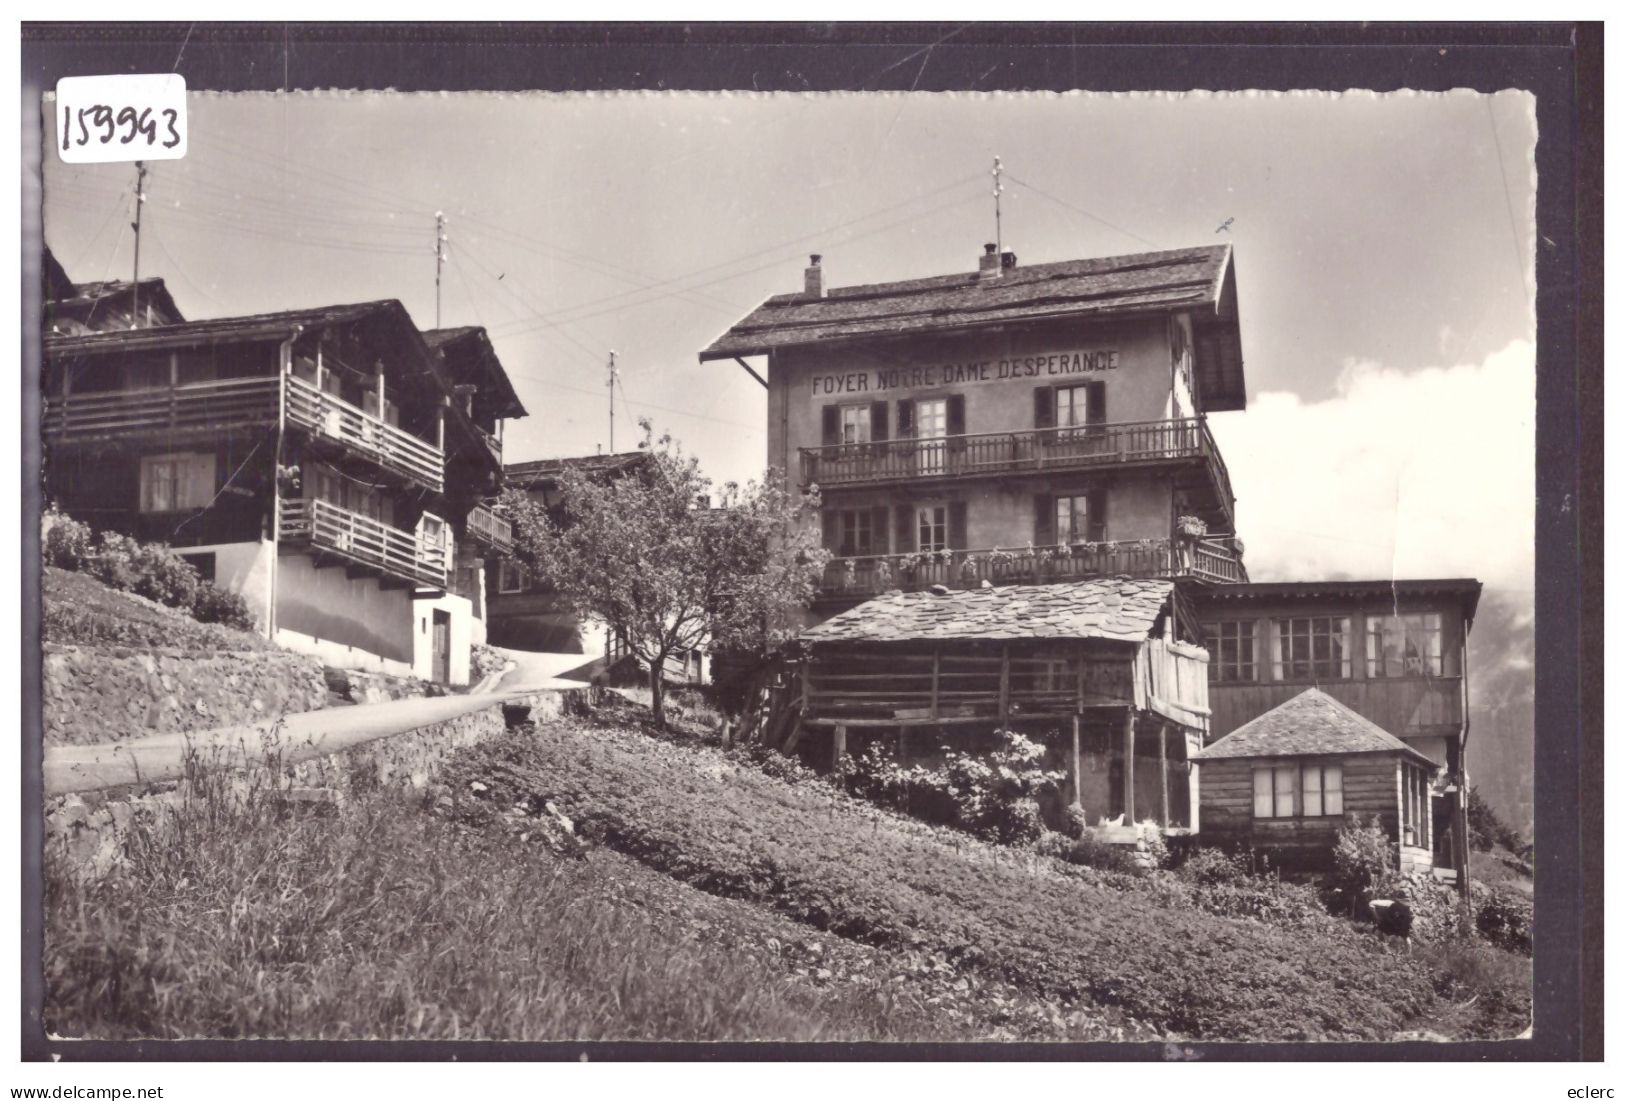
(1370, 788)
(1401, 706)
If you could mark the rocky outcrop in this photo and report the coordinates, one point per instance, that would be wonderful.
(96, 695)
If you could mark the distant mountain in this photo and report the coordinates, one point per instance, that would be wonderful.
(1501, 672)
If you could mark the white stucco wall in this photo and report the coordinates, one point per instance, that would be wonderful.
(461, 613)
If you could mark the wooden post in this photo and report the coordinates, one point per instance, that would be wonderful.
(1004, 686)
(838, 747)
(936, 680)
(1077, 762)
(1162, 764)
(1128, 766)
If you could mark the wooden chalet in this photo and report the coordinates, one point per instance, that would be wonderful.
(1108, 666)
(1288, 780)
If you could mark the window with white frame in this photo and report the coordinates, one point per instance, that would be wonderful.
(1404, 645)
(511, 576)
(857, 532)
(1235, 651)
(1298, 790)
(1072, 519)
(173, 483)
(1312, 648)
(932, 522)
(854, 424)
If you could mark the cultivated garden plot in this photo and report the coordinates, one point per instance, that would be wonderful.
(1153, 964)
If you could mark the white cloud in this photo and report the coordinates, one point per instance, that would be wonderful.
(1403, 474)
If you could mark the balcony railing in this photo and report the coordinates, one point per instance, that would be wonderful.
(332, 418)
(363, 541)
(1032, 449)
(215, 404)
(485, 526)
(1211, 560)
(108, 414)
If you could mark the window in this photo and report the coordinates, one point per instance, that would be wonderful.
(432, 530)
(1404, 646)
(1071, 406)
(202, 563)
(857, 532)
(1276, 791)
(1235, 653)
(854, 424)
(931, 427)
(932, 522)
(1312, 648)
(511, 577)
(173, 483)
(1416, 807)
(1072, 519)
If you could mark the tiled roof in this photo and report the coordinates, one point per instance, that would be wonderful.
(1199, 280)
(548, 470)
(1122, 609)
(1310, 724)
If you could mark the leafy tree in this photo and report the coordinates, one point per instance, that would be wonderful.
(644, 555)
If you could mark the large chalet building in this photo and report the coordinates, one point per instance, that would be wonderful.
(1045, 425)
(333, 465)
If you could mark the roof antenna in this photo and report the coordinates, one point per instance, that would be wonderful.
(135, 275)
(998, 189)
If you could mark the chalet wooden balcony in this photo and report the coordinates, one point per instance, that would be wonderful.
(202, 409)
(490, 530)
(363, 545)
(332, 419)
(1139, 443)
(171, 410)
(1211, 560)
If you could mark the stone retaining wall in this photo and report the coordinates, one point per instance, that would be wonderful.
(95, 695)
(90, 825)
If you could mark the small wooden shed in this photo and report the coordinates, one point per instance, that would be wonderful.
(1110, 664)
(1287, 781)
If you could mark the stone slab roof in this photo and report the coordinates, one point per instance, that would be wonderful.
(1310, 724)
(1198, 280)
(1120, 609)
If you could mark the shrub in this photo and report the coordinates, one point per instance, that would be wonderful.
(1435, 908)
(164, 577)
(67, 542)
(1362, 863)
(994, 796)
(1090, 851)
(1486, 828)
(1506, 918)
(112, 562)
(214, 605)
(1209, 867)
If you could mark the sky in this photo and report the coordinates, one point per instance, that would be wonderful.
(1383, 251)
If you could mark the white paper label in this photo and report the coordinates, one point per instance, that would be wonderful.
(121, 118)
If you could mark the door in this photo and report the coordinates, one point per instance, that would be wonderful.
(931, 427)
(441, 671)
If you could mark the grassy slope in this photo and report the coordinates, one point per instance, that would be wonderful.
(840, 865)
(81, 611)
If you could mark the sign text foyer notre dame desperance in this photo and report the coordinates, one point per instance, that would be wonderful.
(880, 380)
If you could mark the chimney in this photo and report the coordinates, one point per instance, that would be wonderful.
(989, 263)
(815, 277)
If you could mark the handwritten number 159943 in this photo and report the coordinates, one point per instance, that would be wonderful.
(106, 124)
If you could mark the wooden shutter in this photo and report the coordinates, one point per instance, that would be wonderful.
(832, 425)
(877, 523)
(877, 421)
(958, 527)
(905, 530)
(905, 418)
(1097, 516)
(1043, 520)
(1096, 413)
(956, 414)
(1044, 407)
(832, 530)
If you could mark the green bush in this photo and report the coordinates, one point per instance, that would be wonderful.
(164, 577)
(1090, 851)
(213, 605)
(112, 561)
(1210, 867)
(1362, 864)
(1506, 917)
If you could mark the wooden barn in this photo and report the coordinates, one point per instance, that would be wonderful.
(1107, 670)
(1288, 780)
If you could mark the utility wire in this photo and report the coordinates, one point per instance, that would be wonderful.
(1086, 213)
(1506, 192)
